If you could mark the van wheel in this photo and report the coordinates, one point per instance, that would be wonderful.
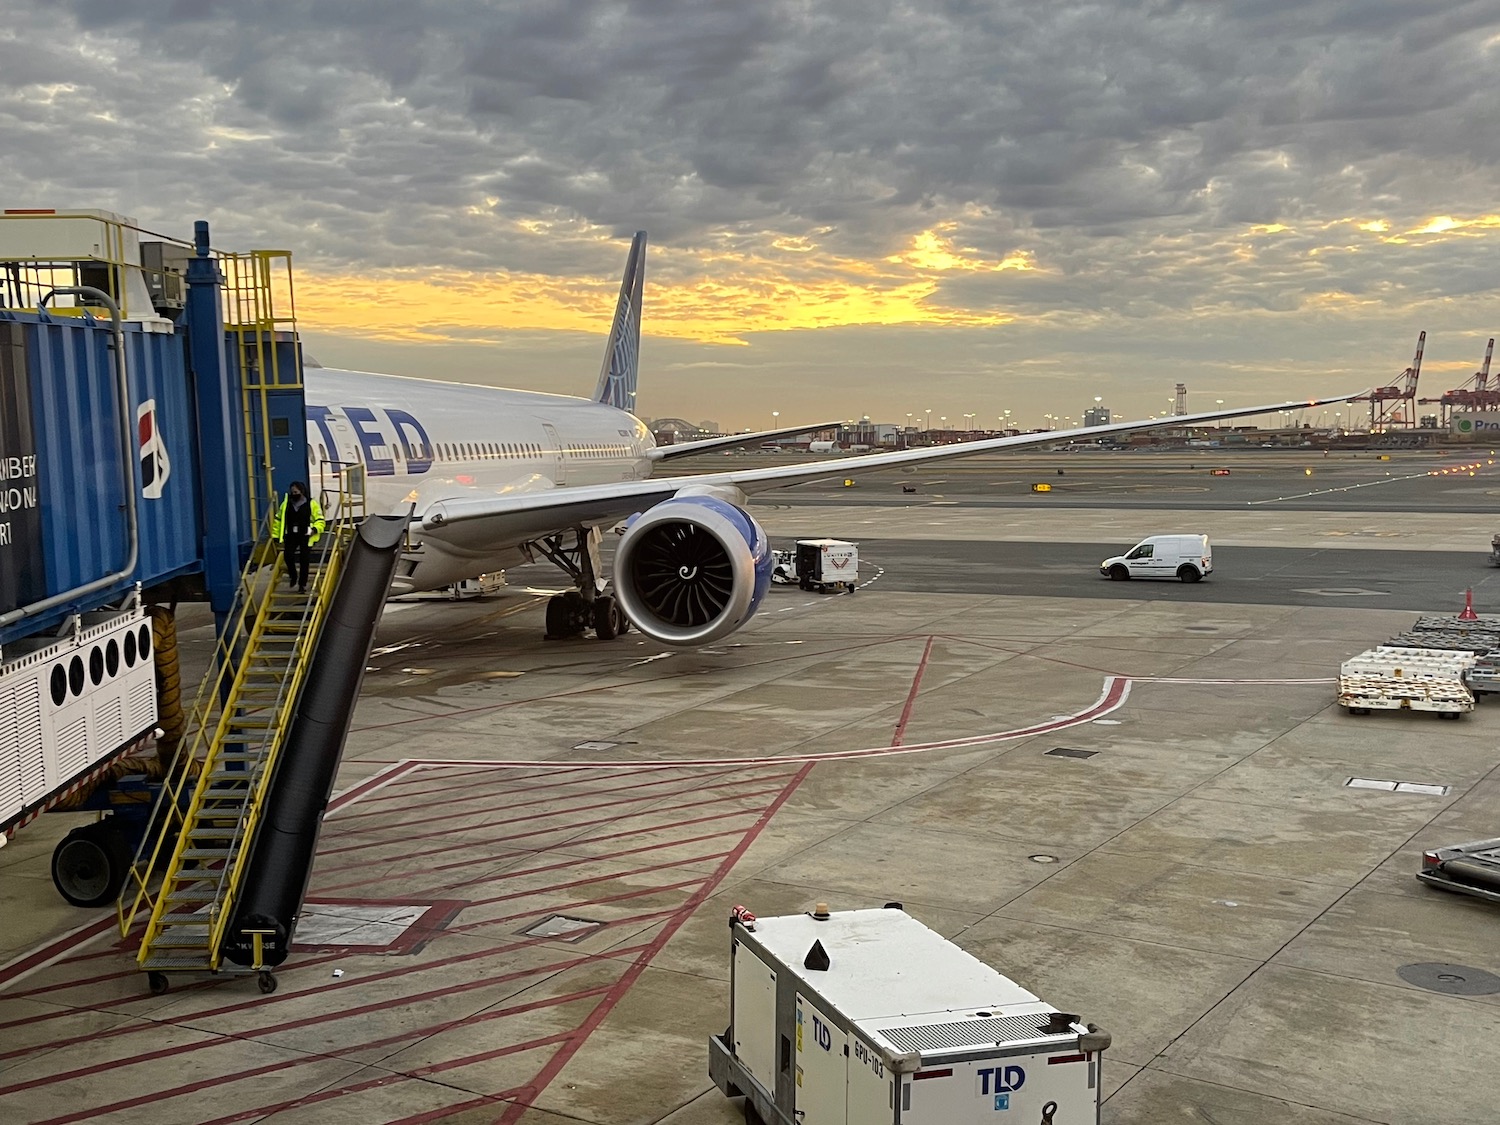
(1118, 573)
(1188, 573)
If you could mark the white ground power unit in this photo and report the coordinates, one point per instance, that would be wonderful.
(827, 564)
(69, 705)
(867, 1017)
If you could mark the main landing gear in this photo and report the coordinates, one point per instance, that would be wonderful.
(588, 607)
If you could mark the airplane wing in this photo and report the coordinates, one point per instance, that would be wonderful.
(733, 441)
(477, 522)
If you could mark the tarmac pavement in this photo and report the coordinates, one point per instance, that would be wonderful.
(1214, 894)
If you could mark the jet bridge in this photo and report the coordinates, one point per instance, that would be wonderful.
(150, 411)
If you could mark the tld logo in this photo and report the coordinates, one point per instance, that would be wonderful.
(1001, 1080)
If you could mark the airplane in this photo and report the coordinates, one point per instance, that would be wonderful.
(493, 478)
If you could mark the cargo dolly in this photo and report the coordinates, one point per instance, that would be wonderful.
(1388, 678)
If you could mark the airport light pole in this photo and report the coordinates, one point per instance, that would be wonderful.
(927, 424)
(1219, 402)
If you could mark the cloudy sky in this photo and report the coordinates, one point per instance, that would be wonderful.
(855, 206)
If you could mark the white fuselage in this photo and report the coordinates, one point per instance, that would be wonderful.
(420, 440)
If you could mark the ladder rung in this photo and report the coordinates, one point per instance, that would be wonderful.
(207, 853)
(180, 922)
(209, 895)
(231, 775)
(176, 963)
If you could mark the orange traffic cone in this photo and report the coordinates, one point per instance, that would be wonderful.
(1468, 614)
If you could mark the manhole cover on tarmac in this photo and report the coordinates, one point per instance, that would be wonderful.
(1069, 752)
(1458, 980)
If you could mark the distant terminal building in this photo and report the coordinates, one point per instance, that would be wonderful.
(1096, 416)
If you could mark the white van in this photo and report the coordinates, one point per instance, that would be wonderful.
(1184, 557)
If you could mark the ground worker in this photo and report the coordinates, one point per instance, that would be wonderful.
(296, 527)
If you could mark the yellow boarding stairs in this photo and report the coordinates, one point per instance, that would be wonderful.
(204, 820)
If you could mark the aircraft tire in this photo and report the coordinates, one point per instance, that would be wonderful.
(559, 616)
(568, 615)
(606, 618)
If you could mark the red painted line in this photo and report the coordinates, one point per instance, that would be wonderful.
(623, 685)
(369, 785)
(570, 843)
(564, 827)
(498, 1101)
(499, 786)
(423, 1033)
(273, 1029)
(489, 798)
(27, 963)
(240, 1076)
(45, 954)
(1116, 691)
(911, 696)
(548, 1072)
(578, 861)
(600, 878)
(259, 1002)
(690, 786)
(579, 904)
(623, 985)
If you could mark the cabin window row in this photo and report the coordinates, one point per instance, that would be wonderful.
(450, 451)
(586, 450)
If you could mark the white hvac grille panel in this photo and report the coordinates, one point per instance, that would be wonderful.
(31, 759)
(971, 1033)
(10, 757)
(54, 730)
(143, 700)
(109, 730)
(72, 742)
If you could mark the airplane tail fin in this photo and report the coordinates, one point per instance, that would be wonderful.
(617, 378)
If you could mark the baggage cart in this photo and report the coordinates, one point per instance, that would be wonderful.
(1406, 679)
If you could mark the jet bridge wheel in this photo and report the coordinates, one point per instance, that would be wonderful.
(90, 863)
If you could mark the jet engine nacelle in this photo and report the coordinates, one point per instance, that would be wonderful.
(692, 569)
